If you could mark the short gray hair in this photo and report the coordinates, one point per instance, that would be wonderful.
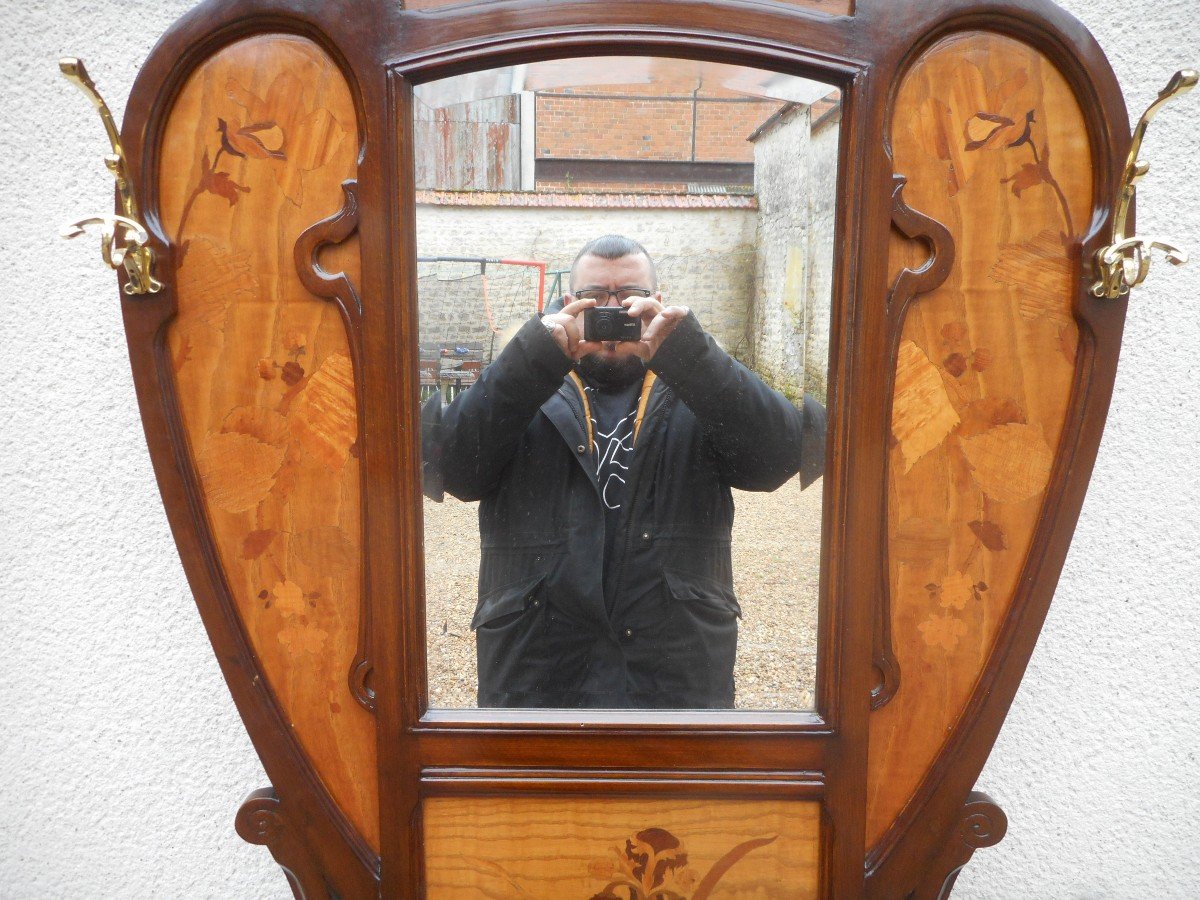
(614, 246)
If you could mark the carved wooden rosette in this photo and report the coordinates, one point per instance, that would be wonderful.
(261, 820)
(277, 376)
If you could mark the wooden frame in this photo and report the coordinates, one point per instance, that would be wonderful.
(381, 50)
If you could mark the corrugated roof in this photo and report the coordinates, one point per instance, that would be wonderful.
(587, 201)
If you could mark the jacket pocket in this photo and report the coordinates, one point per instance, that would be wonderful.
(502, 605)
(701, 591)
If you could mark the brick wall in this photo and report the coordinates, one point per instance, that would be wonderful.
(626, 126)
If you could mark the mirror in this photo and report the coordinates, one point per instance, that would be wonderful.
(650, 512)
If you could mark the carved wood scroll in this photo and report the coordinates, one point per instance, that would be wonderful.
(255, 151)
(916, 276)
(982, 824)
(337, 233)
(261, 821)
(995, 147)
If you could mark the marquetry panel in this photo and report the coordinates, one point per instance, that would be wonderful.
(995, 147)
(611, 849)
(255, 151)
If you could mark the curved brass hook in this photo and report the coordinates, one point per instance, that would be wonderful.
(1125, 263)
(123, 240)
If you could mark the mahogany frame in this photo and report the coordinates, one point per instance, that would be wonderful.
(383, 50)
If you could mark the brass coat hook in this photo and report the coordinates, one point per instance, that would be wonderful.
(1125, 262)
(124, 239)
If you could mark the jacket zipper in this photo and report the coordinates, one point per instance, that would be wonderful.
(633, 506)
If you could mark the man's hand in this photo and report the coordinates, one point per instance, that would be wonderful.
(658, 322)
(566, 327)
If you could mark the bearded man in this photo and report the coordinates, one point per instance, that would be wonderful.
(603, 471)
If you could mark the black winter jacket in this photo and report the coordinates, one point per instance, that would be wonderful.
(518, 441)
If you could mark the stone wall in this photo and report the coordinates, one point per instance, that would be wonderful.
(795, 177)
(823, 168)
(704, 255)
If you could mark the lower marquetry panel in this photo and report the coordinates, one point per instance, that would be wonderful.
(620, 849)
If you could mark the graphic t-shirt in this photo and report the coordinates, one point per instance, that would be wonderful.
(613, 417)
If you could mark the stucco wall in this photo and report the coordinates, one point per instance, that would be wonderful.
(121, 758)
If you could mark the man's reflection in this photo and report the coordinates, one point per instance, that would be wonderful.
(604, 470)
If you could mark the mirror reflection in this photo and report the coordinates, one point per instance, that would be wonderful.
(624, 279)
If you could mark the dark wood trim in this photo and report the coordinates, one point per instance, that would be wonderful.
(438, 782)
(261, 820)
(909, 284)
(851, 520)
(401, 660)
(916, 226)
(981, 824)
(628, 750)
(332, 230)
(439, 49)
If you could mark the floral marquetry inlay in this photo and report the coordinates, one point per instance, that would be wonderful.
(983, 129)
(266, 385)
(584, 848)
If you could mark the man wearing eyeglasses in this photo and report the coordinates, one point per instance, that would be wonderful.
(604, 471)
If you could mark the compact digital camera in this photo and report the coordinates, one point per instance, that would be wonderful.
(608, 323)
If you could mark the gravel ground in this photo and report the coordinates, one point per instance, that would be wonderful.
(776, 564)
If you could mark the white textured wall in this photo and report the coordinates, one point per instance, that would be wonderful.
(122, 760)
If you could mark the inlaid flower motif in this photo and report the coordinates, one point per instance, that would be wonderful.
(653, 865)
(286, 123)
(943, 631)
(259, 140)
(988, 131)
(1007, 123)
